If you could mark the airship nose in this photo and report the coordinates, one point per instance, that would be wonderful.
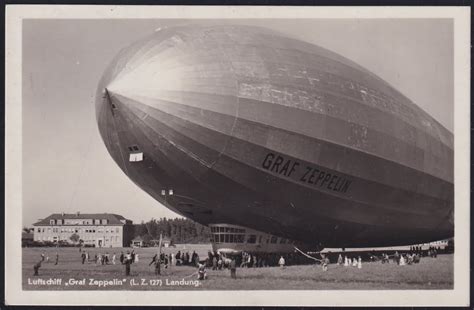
(105, 109)
(100, 103)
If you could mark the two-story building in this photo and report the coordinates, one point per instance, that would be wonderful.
(101, 229)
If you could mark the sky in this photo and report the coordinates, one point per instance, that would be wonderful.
(66, 167)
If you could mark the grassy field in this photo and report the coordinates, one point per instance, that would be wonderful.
(430, 273)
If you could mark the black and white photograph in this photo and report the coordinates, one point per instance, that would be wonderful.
(270, 156)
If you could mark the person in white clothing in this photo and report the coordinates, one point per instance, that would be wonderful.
(281, 262)
(402, 260)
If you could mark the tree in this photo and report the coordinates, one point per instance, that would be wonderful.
(141, 229)
(147, 239)
(178, 229)
(74, 238)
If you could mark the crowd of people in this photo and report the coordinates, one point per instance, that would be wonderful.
(408, 258)
(348, 261)
(220, 261)
(99, 258)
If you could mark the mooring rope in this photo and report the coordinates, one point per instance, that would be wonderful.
(190, 275)
(313, 258)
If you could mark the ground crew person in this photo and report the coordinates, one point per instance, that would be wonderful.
(325, 262)
(396, 257)
(339, 260)
(214, 262)
(57, 259)
(402, 260)
(157, 266)
(281, 262)
(202, 275)
(153, 259)
(232, 268)
(128, 262)
(36, 268)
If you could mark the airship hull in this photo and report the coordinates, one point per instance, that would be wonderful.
(249, 127)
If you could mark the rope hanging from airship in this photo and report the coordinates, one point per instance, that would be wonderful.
(308, 256)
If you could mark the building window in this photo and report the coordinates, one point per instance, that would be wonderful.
(274, 239)
(135, 154)
(252, 239)
(51, 222)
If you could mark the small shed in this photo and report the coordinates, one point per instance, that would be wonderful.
(137, 242)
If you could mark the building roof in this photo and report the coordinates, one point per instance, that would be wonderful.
(112, 219)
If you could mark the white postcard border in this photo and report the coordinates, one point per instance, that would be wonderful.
(13, 168)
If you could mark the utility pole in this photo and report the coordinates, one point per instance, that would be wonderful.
(159, 244)
(158, 261)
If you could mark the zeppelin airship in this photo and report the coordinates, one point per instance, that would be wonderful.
(261, 136)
